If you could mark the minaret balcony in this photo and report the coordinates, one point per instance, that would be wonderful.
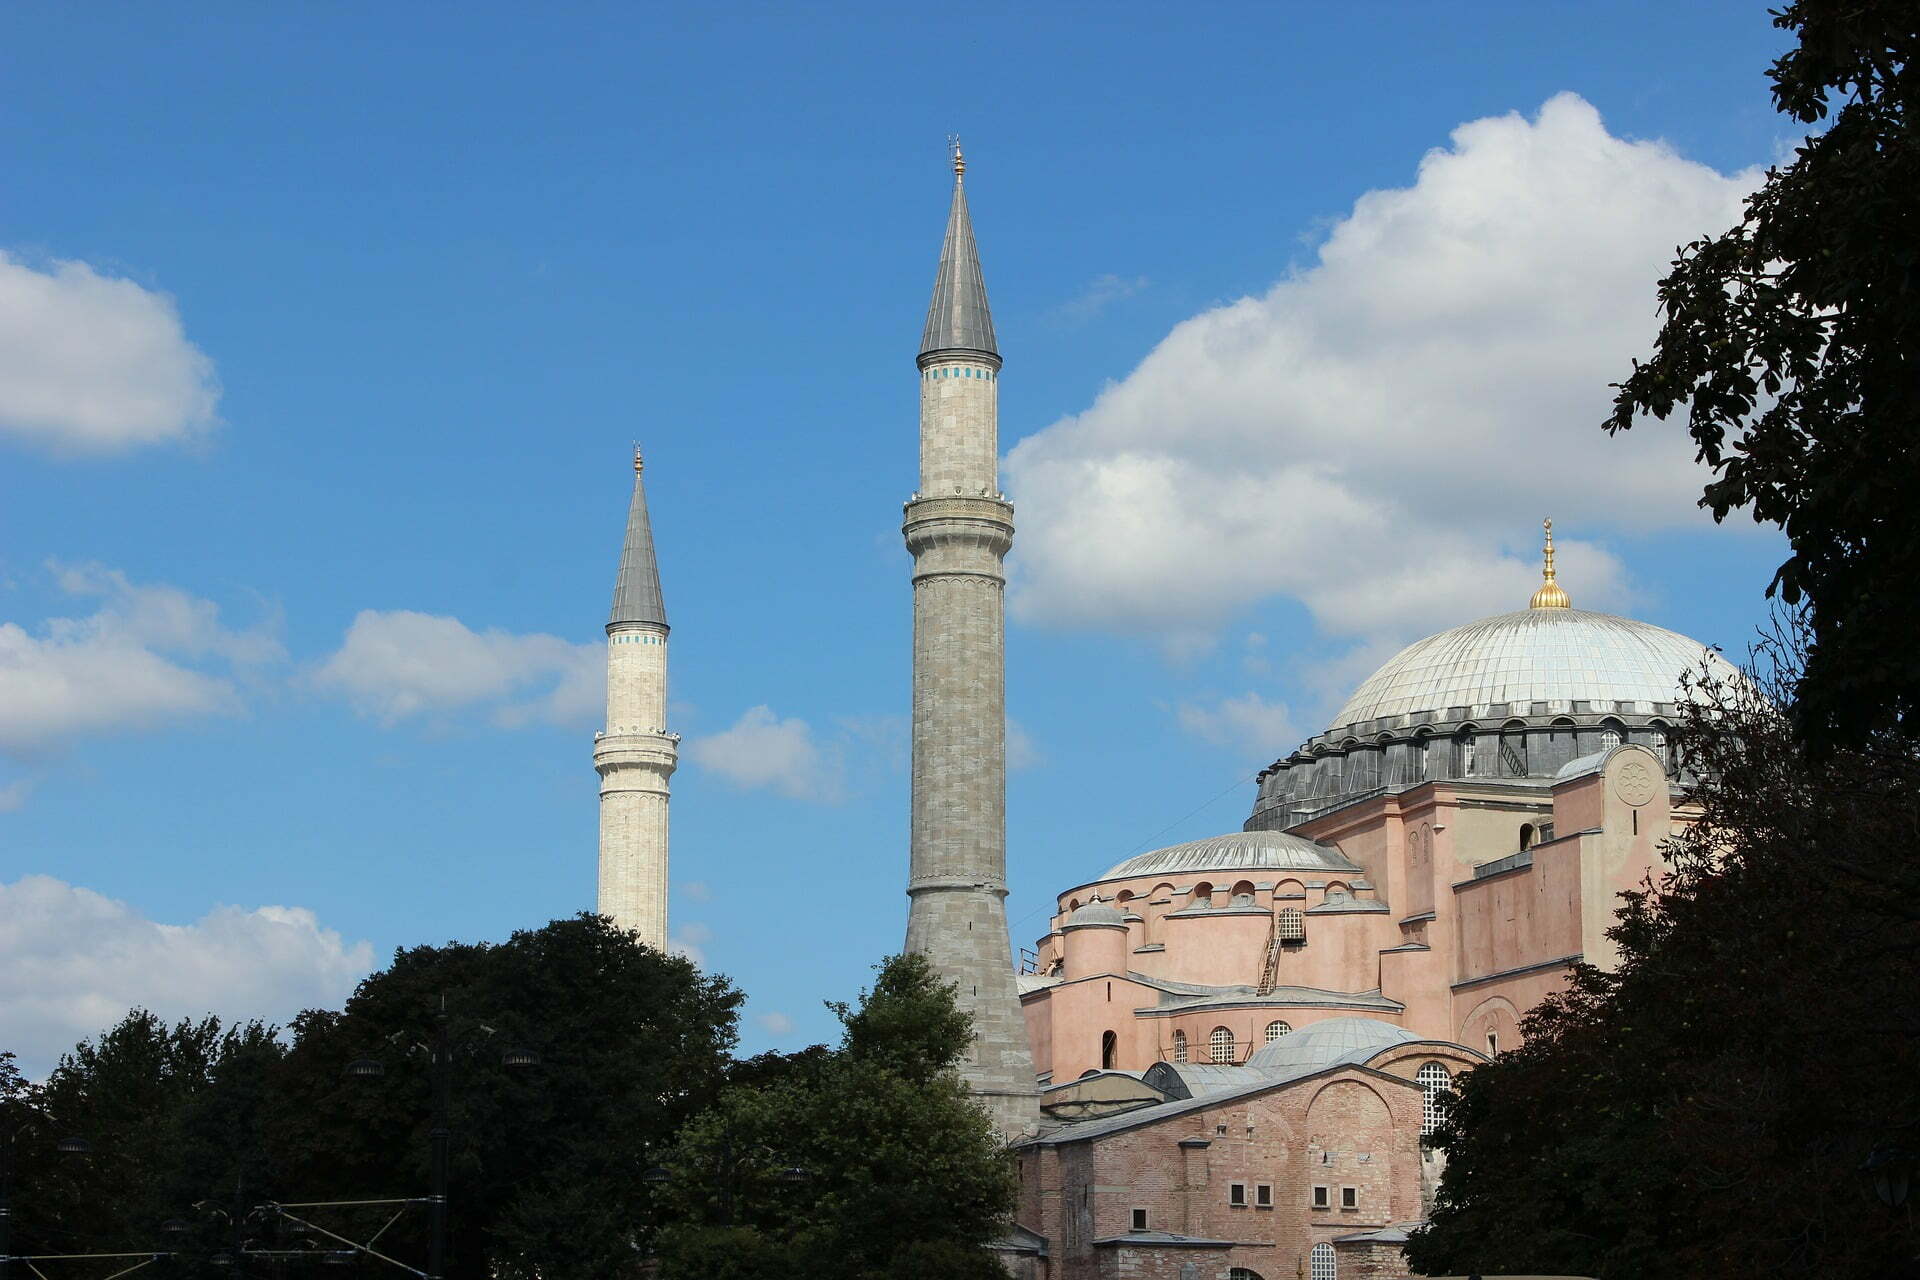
(959, 522)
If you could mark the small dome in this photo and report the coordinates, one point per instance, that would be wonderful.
(1324, 1043)
(1097, 913)
(1531, 655)
(1240, 851)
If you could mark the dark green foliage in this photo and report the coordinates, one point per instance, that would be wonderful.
(1704, 1111)
(546, 1162)
(1794, 341)
(900, 1173)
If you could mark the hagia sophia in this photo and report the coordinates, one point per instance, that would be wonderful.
(1220, 1060)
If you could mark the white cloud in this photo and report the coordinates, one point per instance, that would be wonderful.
(1379, 435)
(72, 962)
(396, 665)
(1022, 751)
(689, 941)
(774, 1024)
(1101, 292)
(147, 655)
(93, 364)
(762, 750)
(1248, 722)
(697, 890)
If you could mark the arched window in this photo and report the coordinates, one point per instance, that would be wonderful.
(1109, 1050)
(1242, 1273)
(1322, 1265)
(1417, 757)
(1289, 925)
(1526, 835)
(1435, 1086)
(1275, 1030)
(1220, 1045)
(1612, 733)
(1202, 895)
(1463, 746)
(1663, 747)
(1243, 894)
(1179, 1046)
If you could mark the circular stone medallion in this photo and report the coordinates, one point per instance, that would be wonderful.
(1635, 783)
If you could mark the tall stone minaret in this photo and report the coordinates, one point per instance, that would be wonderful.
(958, 529)
(636, 755)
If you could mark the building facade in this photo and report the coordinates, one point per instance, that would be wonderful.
(1242, 1040)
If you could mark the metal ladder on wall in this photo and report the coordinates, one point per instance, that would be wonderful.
(1271, 969)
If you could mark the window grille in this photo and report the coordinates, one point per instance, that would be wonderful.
(1466, 755)
(1275, 1030)
(1290, 925)
(1322, 1265)
(1179, 1046)
(1220, 1045)
(1434, 1085)
(1609, 736)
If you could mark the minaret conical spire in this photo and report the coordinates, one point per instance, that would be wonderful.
(959, 318)
(636, 592)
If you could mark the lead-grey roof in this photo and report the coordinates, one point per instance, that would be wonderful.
(636, 592)
(1529, 655)
(959, 319)
(1236, 851)
(1329, 1041)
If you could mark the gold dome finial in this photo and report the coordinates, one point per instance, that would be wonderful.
(1550, 595)
(637, 462)
(959, 160)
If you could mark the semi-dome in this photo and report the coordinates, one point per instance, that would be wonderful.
(1097, 913)
(1334, 1040)
(1555, 655)
(1239, 851)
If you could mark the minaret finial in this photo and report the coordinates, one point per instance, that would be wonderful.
(958, 157)
(1550, 595)
(639, 463)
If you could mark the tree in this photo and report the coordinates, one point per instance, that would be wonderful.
(1794, 340)
(547, 1165)
(1706, 1109)
(870, 1161)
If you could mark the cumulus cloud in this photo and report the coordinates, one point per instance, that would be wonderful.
(762, 750)
(91, 364)
(1022, 751)
(397, 665)
(774, 1024)
(72, 962)
(148, 654)
(1378, 435)
(1248, 723)
(697, 890)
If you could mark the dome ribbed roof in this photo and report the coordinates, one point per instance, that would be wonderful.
(1239, 851)
(1325, 1043)
(1530, 655)
(1097, 913)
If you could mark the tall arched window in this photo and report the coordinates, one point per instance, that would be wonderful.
(1612, 733)
(1417, 757)
(1109, 1050)
(1322, 1265)
(1463, 748)
(1179, 1046)
(1275, 1030)
(1526, 835)
(1434, 1085)
(1220, 1045)
(1663, 747)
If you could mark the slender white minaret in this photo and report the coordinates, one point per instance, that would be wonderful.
(958, 528)
(636, 755)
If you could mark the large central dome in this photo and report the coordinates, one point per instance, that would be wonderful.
(1530, 655)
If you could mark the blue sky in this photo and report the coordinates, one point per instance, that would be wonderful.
(331, 327)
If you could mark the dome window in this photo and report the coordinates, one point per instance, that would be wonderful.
(1276, 1029)
(1290, 925)
(1612, 733)
(1464, 746)
(1109, 1050)
(1179, 1046)
(1220, 1045)
(1435, 1087)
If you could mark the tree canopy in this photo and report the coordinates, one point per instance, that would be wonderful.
(1716, 1106)
(546, 1163)
(1793, 340)
(868, 1161)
